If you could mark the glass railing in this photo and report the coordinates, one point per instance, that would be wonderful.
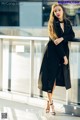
(20, 60)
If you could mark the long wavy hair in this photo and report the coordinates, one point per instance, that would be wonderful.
(52, 18)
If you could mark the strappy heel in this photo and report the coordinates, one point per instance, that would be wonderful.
(52, 109)
(48, 107)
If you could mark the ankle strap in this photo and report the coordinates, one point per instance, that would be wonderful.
(51, 103)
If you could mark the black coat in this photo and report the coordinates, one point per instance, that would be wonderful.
(52, 67)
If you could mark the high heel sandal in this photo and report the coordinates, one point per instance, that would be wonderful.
(52, 109)
(48, 107)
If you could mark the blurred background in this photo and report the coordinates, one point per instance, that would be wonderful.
(20, 59)
(35, 13)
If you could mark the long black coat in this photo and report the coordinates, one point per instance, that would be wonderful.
(52, 67)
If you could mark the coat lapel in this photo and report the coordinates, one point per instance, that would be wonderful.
(58, 29)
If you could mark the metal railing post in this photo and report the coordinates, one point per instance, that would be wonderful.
(9, 67)
(1, 63)
(32, 66)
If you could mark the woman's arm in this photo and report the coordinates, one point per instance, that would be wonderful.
(60, 50)
(61, 53)
(69, 36)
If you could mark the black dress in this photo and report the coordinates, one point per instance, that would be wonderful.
(52, 67)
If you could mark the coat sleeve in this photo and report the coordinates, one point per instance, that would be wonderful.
(69, 35)
(60, 50)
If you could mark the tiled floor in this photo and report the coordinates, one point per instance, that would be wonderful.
(21, 111)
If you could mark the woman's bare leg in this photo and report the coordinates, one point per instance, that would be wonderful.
(49, 102)
(53, 88)
(50, 95)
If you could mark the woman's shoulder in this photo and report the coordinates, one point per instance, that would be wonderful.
(68, 21)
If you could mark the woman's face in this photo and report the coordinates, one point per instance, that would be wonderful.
(58, 12)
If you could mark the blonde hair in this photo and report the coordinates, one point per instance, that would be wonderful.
(51, 29)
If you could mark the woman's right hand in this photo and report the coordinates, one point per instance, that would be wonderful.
(65, 60)
(58, 40)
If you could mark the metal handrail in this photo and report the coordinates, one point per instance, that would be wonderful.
(23, 38)
(32, 38)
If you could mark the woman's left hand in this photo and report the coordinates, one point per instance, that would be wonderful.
(58, 40)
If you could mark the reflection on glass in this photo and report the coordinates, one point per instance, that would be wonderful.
(17, 69)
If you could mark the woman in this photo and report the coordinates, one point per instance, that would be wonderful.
(55, 63)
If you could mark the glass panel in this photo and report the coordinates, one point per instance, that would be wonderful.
(74, 96)
(38, 54)
(5, 64)
(20, 69)
(20, 72)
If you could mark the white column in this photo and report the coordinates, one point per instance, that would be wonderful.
(30, 14)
